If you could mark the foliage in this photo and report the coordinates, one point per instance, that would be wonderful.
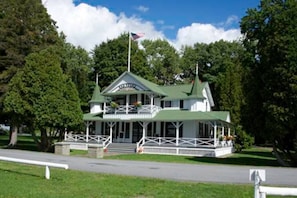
(25, 28)
(77, 64)
(163, 59)
(272, 74)
(43, 98)
(243, 140)
(110, 60)
(220, 65)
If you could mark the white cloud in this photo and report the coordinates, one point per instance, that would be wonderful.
(87, 26)
(142, 8)
(204, 33)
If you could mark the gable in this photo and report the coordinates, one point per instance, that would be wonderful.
(129, 83)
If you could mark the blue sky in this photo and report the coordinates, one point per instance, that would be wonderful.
(90, 22)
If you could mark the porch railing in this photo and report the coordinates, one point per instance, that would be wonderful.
(84, 138)
(163, 141)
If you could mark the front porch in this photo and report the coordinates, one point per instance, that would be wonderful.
(208, 147)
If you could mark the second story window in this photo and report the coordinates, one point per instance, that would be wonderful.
(181, 104)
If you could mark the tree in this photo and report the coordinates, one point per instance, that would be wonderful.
(163, 59)
(111, 60)
(77, 64)
(43, 98)
(270, 37)
(220, 65)
(25, 28)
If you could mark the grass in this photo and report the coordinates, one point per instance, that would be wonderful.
(18, 180)
(28, 181)
(257, 156)
(25, 181)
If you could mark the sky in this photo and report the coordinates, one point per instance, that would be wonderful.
(88, 23)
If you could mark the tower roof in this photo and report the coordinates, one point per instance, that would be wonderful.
(97, 96)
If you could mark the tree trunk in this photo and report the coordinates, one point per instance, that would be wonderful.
(13, 136)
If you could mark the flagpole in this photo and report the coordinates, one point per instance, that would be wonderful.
(129, 51)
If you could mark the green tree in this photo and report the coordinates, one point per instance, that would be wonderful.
(25, 28)
(270, 37)
(163, 59)
(44, 98)
(77, 64)
(111, 60)
(219, 64)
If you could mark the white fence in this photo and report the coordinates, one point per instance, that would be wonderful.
(261, 191)
(33, 162)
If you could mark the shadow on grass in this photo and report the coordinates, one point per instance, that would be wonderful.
(20, 172)
(23, 143)
(249, 158)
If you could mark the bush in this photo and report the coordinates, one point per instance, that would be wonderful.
(243, 140)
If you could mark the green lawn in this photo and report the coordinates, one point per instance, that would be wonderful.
(19, 180)
(28, 181)
(257, 156)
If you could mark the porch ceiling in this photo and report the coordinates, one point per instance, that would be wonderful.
(170, 116)
(184, 115)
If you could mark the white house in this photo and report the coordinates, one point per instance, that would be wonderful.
(176, 119)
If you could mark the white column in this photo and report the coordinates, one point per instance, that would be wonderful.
(144, 127)
(104, 107)
(215, 134)
(110, 124)
(152, 102)
(177, 133)
(127, 103)
(177, 125)
(87, 131)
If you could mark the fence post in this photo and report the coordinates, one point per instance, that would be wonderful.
(257, 175)
(47, 172)
(257, 185)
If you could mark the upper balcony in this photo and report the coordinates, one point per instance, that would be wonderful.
(127, 112)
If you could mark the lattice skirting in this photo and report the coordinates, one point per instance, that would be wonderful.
(200, 152)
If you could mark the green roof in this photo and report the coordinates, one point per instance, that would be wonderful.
(196, 90)
(97, 96)
(151, 86)
(181, 92)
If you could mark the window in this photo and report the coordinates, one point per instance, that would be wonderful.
(167, 103)
(181, 104)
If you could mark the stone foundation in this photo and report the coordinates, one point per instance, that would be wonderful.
(62, 148)
(95, 151)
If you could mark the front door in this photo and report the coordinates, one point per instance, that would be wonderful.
(136, 132)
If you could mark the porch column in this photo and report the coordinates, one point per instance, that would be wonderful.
(144, 127)
(127, 103)
(229, 131)
(177, 125)
(65, 137)
(215, 134)
(223, 131)
(110, 124)
(152, 102)
(87, 130)
(104, 107)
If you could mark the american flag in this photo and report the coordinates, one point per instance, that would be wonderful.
(135, 36)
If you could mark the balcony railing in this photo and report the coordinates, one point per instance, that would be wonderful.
(131, 109)
(129, 112)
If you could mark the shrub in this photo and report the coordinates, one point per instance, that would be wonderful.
(242, 140)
